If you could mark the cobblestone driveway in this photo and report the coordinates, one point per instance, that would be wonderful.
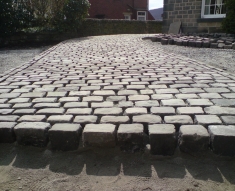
(118, 90)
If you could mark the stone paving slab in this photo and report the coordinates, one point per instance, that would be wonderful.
(105, 82)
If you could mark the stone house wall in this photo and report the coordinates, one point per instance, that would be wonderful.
(189, 13)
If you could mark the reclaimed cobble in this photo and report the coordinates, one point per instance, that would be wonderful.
(103, 86)
(193, 138)
(69, 136)
(131, 136)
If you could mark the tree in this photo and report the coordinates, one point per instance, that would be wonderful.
(75, 11)
(228, 23)
(13, 17)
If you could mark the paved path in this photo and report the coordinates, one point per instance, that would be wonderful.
(118, 90)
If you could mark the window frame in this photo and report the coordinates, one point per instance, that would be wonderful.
(145, 16)
(209, 16)
(127, 15)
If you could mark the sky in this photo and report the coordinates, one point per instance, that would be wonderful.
(154, 4)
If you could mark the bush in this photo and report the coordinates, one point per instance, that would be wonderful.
(13, 18)
(228, 24)
(75, 11)
(62, 15)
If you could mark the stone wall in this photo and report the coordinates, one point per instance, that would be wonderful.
(189, 13)
(90, 27)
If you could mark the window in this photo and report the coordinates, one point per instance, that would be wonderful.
(141, 15)
(127, 17)
(213, 9)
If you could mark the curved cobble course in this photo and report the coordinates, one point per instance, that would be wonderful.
(118, 90)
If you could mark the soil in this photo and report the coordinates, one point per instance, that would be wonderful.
(29, 168)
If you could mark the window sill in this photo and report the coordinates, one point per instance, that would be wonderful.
(211, 20)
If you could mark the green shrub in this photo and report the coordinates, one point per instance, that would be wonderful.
(60, 15)
(13, 17)
(75, 11)
(228, 23)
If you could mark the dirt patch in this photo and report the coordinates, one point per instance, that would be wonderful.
(30, 168)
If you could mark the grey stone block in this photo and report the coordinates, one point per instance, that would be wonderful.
(138, 97)
(104, 104)
(9, 118)
(178, 42)
(32, 118)
(99, 135)
(46, 105)
(217, 110)
(60, 118)
(32, 133)
(115, 119)
(163, 110)
(6, 111)
(125, 104)
(221, 45)
(19, 100)
(64, 136)
(189, 110)
(9, 95)
(148, 118)
(199, 102)
(51, 111)
(192, 43)
(162, 139)
(150, 103)
(227, 46)
(24, 111)
(222, 139)
(135, 111)
(116, 98)
(84, 119)
(5, 106)
(228, 120)
(33, 95)
(199, 44)
(185, 42)
(108, 111)
(224, 102)
(76, 105)
(56, 94)
(233, 46)
(206, 44)
(7, 134)
(173, 102)
(162, 96)
(193, 138)
(131, 136)
(164, 41)
(214, 45)
(178, 119)
(207, 119)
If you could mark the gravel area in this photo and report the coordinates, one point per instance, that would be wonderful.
(220, 58)
(10, 58)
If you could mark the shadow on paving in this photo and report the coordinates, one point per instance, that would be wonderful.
(112, 162)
